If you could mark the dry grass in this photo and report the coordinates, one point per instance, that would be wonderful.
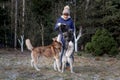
(16, 66)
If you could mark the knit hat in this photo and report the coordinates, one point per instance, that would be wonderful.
(66, 10)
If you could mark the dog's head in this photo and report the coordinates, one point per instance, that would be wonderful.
(68, 36)
(63, 28)
(56, 44)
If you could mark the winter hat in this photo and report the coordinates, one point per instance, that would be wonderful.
(66, 10)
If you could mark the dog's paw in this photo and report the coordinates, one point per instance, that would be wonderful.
(62, 71)
(32, 65)
(55, 69)
(38, 69)
(72, 72)
(59, 70)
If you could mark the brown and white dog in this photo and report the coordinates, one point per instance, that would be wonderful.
(51, 50)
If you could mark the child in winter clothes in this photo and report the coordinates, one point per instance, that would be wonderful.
(64, 19)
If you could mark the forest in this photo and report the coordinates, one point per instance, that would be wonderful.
(96, 39)
(35, 19)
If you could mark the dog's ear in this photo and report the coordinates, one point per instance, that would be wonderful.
(54, 39)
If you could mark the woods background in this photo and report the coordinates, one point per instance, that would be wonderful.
(35, 19)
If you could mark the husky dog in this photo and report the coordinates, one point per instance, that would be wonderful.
(67, 57)
(68, 52)
(51, 50)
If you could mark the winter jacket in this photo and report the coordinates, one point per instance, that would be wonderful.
(68, 22)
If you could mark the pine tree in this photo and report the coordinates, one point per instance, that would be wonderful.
(102, 43)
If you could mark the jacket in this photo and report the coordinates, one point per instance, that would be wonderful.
(68, 22)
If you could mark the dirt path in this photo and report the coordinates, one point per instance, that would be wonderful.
(16, 66)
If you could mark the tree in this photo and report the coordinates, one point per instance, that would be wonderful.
(41, 9)
(4, 22)
(102, 43)
(21, 42)
(40, 16)
(16, 24)
(77, 38)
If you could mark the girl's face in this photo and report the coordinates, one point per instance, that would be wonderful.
(65, 15)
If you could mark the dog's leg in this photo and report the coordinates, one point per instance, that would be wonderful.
(58, 64)
(35, 65)
(55, 66)
(63, 66)
(71, 64)
(32, 61)
(35, 58)
(63, 63)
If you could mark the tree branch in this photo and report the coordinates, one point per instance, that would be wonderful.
(80, 33)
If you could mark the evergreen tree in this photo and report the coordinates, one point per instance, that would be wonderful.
(102, 43)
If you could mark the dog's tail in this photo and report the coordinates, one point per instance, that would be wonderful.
(28, 44)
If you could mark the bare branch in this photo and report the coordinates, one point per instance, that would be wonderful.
(80, 33)
(21, 42)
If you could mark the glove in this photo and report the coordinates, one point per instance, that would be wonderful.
(59, 24)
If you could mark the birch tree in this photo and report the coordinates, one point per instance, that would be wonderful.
(21, 42)
(76, 37)
(42, 34)
(15, 30)
(23, 17)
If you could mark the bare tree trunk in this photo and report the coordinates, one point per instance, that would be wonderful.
(12, 19)
(5, 37)
(15, 32)
(76, 37)
(74, 12)
(21, 42)
(23, 17)
(42, 34)
(86, 7)
(76, 49)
